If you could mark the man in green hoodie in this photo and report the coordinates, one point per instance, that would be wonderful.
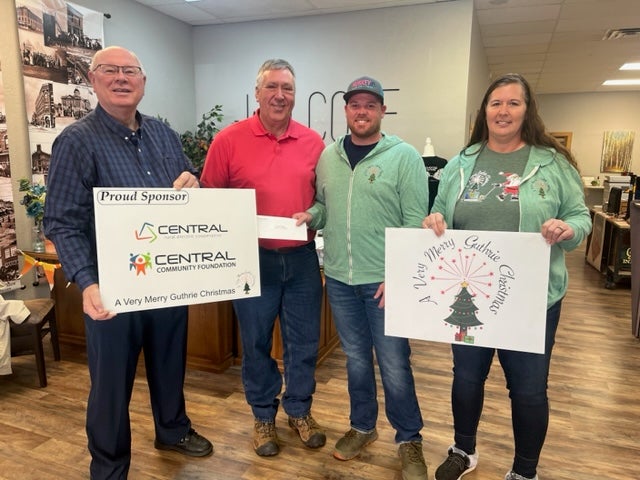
(367, 181)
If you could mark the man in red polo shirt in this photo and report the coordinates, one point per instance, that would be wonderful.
(276, 156)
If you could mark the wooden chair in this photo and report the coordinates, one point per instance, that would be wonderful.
(26, 337)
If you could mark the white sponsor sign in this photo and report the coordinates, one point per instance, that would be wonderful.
(161, 247)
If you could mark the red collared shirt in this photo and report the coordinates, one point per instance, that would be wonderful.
(281, 170)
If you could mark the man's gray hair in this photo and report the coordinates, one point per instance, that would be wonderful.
(273, 64)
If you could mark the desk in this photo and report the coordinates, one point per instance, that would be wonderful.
(212, 342)
(609, 247)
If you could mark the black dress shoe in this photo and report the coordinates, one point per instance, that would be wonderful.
(192, 444)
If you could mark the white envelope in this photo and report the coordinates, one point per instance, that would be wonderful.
(280, 228)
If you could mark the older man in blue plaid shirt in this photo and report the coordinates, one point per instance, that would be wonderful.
(117, 146)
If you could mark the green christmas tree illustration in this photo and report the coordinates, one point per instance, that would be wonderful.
(463, 313)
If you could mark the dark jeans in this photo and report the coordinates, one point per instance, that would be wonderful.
(360, 325)
(526, 375)
(291, 288)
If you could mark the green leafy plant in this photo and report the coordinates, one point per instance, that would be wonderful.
(195, 144)
(33, 199)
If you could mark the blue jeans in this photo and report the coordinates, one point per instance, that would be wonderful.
(291, 288)
(360, 325)
(526, 375)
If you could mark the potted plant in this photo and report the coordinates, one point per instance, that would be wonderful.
(195, 144)
(33, 201)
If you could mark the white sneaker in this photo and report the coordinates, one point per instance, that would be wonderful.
(457, 464)
(511, 475)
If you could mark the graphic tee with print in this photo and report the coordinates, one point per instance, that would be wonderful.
(490, 199)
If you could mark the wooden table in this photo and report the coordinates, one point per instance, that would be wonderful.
(68, 300)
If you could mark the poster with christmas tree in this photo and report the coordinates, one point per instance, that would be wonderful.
(474, 287)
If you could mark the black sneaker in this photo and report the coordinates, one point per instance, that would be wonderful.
(192, 444)
(457, 464)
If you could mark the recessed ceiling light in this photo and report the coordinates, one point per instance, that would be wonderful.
(630, 81)
(630, 66)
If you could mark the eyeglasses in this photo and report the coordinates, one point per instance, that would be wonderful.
(112, 70)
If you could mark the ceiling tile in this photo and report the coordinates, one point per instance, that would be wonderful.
(556, 43)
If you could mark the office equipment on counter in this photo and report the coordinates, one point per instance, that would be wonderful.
(613, 203)
(630, 196)
(611, 181)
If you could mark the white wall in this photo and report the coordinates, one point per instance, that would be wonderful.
(478, 78)
(165, 48)
(423, 51)
(587, 116)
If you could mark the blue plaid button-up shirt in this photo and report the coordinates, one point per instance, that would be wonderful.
(99, 151)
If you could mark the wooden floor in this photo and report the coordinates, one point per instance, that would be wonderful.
(594, 432)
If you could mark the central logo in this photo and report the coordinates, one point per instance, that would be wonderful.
(146, 232)
(140, 263)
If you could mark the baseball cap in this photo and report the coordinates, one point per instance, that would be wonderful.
(365, 85)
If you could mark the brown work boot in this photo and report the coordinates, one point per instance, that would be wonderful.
(412, 458)
(265, 438)
(310, 432)
(352, 443)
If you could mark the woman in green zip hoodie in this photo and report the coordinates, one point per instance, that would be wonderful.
(511, 176)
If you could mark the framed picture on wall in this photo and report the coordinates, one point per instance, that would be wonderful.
(616, 151)
(563, 137)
